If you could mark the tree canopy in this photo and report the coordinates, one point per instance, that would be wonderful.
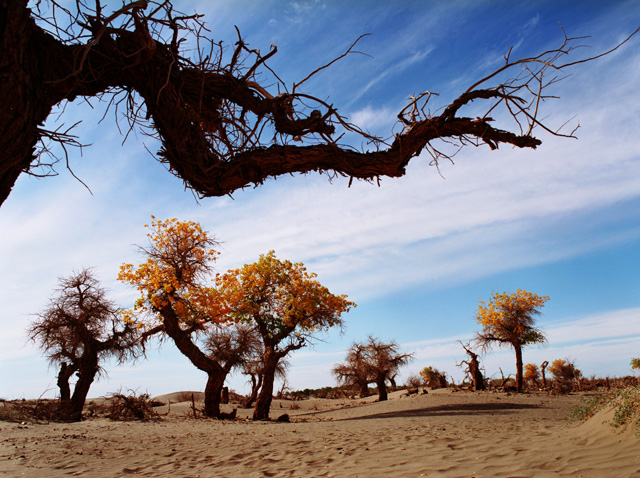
(373, 361)
(80, 329)
(221, 125)
(286, 304)
(175, 297)
(508, 320)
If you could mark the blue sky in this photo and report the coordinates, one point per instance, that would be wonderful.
(415, 253)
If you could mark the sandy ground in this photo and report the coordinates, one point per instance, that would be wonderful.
(440, 434)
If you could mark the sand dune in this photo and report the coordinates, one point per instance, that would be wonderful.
(443, 433)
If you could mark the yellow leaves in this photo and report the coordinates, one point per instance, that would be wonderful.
(178, 257)
(280, 293)
(509, 316)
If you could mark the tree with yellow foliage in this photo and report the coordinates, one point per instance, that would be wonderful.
(286, 304)
(174, 295)
(531, 373)
(508, 319)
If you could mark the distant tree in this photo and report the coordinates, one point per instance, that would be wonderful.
(434, 378)
(223, 118)
(564, 370)
(286, 305)
(543, 367)
(414, 381)
(531, 373)
(173, 294)
(354, 372)
(473, 368)
(508, 320)
(371, 362)
(79, 330)
(635, 363)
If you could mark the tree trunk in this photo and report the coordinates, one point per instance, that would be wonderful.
(20, 93)
(364, 389)
(543, 367)
(263, 405)
(64, 375)
(215, 372)
(382, 389)
(86, 374)
(255, 387)
(519, 366)
(213, 394)
(476, 374)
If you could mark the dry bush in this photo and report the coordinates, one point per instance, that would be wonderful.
(413, 381)
(131, 407)
(35, 411)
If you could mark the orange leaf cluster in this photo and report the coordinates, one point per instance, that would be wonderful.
(178, 258)
(277, 293)
(507, 317)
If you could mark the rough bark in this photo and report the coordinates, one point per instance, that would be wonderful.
(215, 372)
(184, 102)
(213, 394)
(256, 384)
(543, 368)
(519, 367)
(88, 368)
(263, 404)
(382, 388)
(66, 371)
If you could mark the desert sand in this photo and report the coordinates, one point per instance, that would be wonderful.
(439, 434)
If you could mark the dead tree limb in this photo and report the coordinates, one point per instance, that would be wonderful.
(220, 128)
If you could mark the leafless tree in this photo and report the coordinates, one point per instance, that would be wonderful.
(221, 125)
(543, 367)
(233, 346)
(473, 368)
(80, 329)
(371, 362)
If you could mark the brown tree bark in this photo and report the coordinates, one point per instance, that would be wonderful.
(213, 394)
(263, 404)
(382, 388)
(256, 384)
(216, 374)
(183, 102)
(519, 367)
(543, 368)
(66, 371)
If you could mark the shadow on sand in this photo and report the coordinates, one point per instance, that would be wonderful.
(449, 409)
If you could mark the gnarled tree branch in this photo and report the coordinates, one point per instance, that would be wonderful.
(220, 129)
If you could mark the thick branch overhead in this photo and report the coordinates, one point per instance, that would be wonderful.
(221, 129)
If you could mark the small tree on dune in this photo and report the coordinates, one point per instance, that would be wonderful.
(373, 361)
(565, 370)
(434, 378)
(286, 305)
(531, 373)
(354, 372)
(508, 320)
(80, 329)
(472, 369)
